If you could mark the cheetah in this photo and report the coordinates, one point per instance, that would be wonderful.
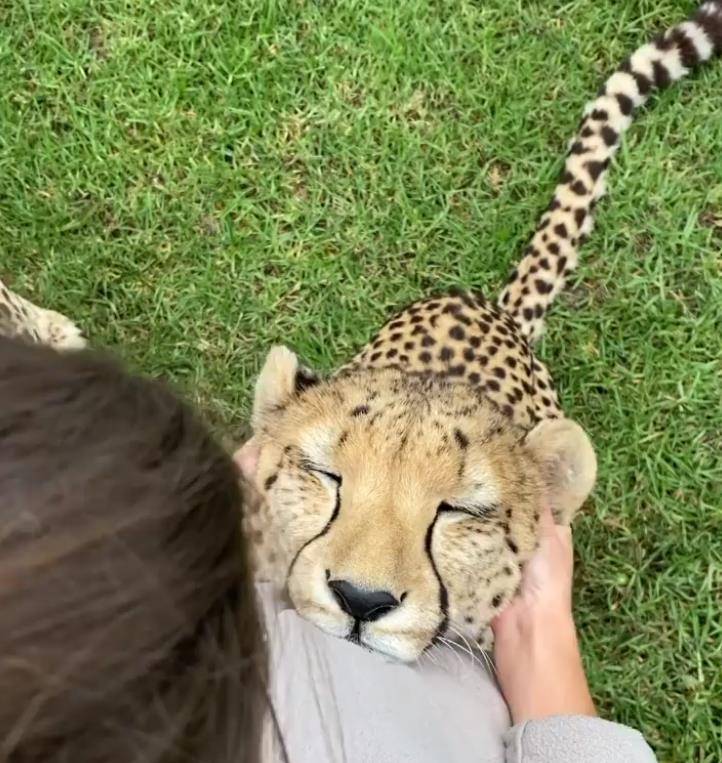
(400, 496)
(23, 320)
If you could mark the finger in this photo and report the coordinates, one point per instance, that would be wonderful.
(547, 526)
(247, 459)
(498, 624)
(564, 532)
(553, 540)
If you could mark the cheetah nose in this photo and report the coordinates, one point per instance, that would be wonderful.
(362, 605)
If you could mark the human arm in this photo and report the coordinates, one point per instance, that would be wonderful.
(540, 670)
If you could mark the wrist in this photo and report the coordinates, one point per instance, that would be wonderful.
(540, 667)
(536, 624)
(548, 631)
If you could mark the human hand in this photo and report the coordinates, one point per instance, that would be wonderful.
(546, 586)
(536, 650)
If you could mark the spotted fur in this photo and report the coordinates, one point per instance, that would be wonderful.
(554, 250)
(463, 337)
(23, 320)
(416, 472)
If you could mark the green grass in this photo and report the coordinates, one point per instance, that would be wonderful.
(194, 180)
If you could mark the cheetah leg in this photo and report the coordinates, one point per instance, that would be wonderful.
(24, 320)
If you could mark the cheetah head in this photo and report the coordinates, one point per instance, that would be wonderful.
(403, 507)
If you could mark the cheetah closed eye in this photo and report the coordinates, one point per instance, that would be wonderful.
(401, 495)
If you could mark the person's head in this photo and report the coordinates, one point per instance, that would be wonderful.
(128, 627)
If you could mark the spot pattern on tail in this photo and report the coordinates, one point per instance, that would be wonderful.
(553, 252)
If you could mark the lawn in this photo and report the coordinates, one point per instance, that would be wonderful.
(195, 180)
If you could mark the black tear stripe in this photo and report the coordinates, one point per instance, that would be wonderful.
(334, 515)
(443, 593)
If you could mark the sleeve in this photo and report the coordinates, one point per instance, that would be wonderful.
(575, 739)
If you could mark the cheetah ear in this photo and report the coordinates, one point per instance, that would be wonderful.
(281, 379)
(569, 464)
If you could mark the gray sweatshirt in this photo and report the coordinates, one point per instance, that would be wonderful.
(337, 703)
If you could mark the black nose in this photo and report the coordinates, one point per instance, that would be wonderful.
(362, 604)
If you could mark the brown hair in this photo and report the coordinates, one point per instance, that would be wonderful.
(128, 627)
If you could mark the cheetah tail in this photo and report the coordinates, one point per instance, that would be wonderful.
(553, 252)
